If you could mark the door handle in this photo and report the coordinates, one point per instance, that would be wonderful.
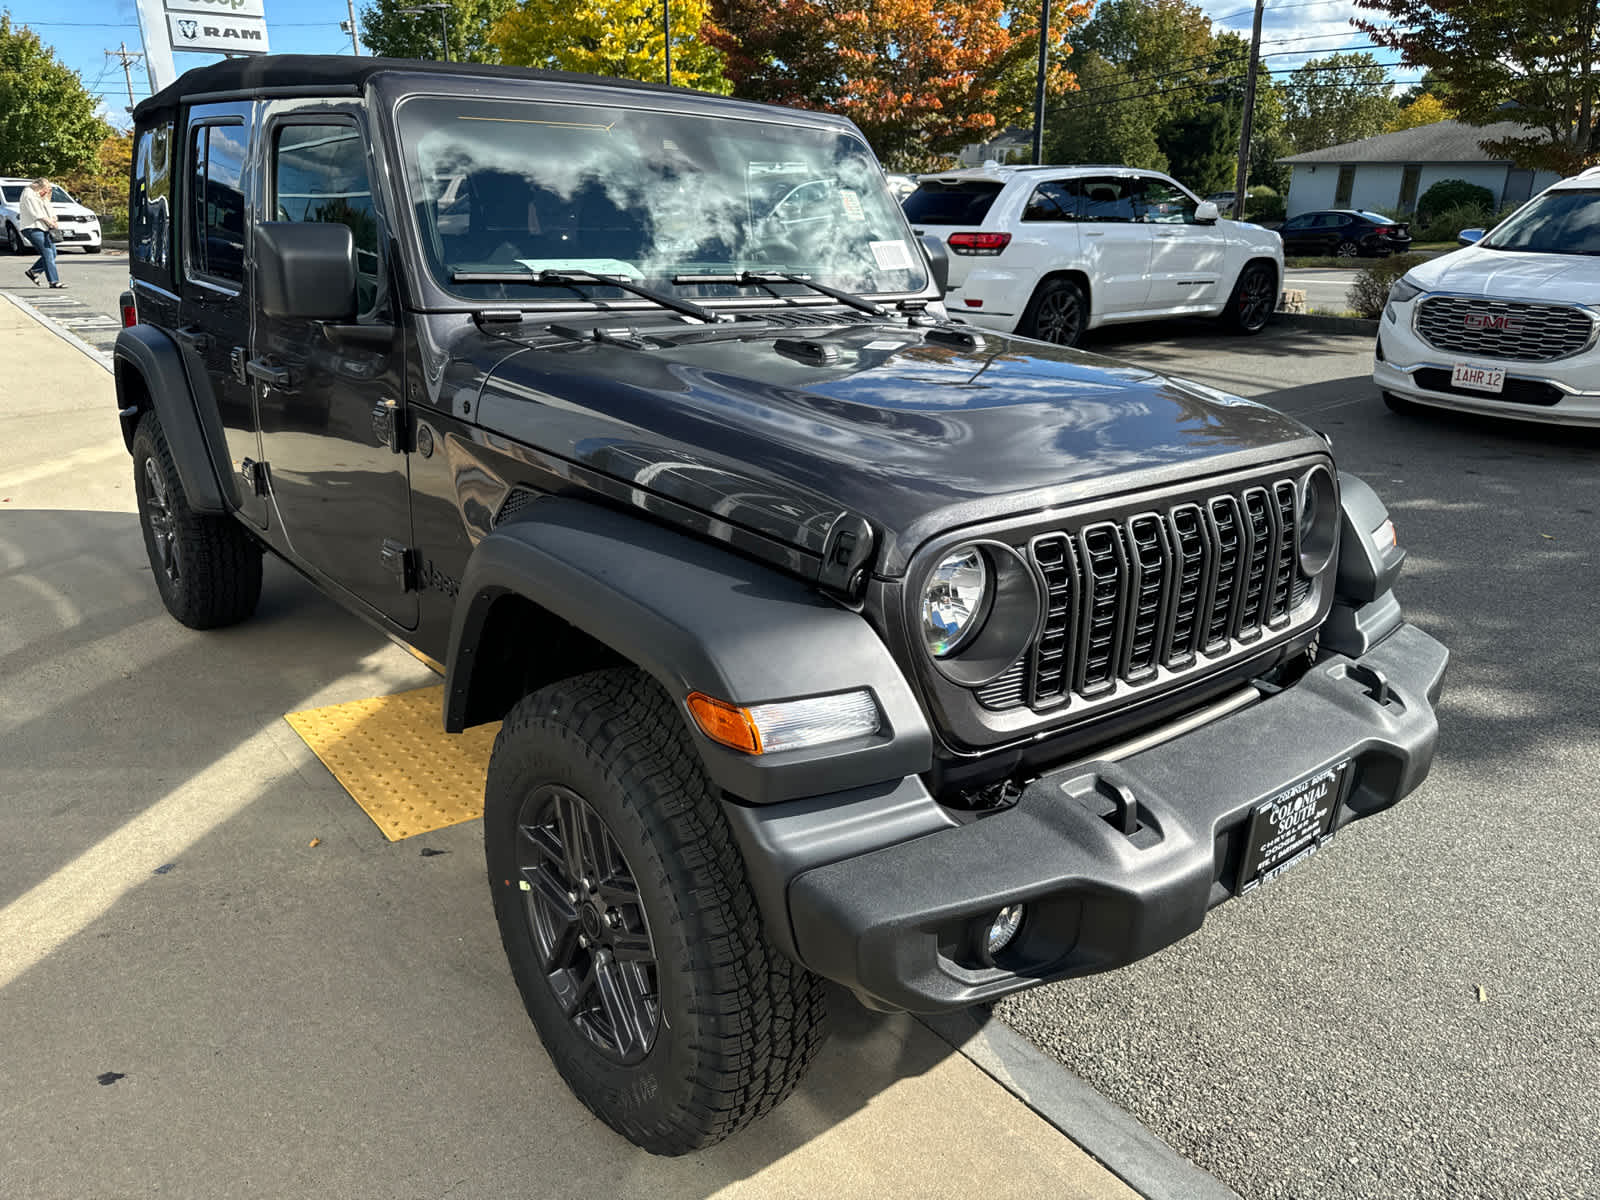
(194, 337)
(1094, 233)
(267, 372)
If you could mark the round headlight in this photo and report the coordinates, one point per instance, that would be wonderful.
(952, 600)
(1319, 521)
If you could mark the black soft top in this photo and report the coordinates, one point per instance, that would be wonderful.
(348, 74)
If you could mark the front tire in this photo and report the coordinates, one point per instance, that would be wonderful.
(1399, 404)
(628, 921)
(91, 249)
(1253, 299)
(1058, 312)
(207, 568)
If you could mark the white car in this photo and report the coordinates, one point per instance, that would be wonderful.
(1507, 326)
(79, 226)
(1051, 252)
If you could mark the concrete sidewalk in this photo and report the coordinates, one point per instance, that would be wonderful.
(199, 1001)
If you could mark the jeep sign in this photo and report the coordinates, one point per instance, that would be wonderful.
(213, 32)
(219, 8)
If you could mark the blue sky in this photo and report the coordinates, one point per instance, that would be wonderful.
(1291, 31)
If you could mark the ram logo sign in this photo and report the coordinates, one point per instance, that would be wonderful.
(1487, 323)
(227, 26)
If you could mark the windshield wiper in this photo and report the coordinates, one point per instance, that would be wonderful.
(567, 279)
(767, 278)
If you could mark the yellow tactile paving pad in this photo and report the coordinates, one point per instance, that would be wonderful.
(393, 756)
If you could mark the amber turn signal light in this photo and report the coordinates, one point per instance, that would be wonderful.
(725, 723)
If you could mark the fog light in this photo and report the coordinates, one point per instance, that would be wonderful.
(1003, 928)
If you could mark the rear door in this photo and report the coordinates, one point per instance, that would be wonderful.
(1186, 258)
(1047, 235)
(1115, 244)
(329, 396)
(214, 308)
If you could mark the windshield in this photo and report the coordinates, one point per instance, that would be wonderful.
(516, 186)
(1561, 222)
(58, 195)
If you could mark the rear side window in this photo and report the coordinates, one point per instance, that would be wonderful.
(320, 175)
(963, 202)
(216, 224)
(150, 204)
(1055, 200)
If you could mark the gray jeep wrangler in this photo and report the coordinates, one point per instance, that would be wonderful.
(831, 639)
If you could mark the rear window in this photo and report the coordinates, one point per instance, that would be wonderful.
(961, 203)
(1379, 218)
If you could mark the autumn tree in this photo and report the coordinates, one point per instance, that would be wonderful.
(48, 124)
(920, 78)
(102, 184)
(1426, 109)
(388, 31)
(1338, 99)
(624, 38)
(1533, 61)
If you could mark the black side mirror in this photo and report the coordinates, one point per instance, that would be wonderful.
(306, 270)
(938, 260)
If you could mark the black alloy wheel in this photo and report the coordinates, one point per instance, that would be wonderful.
(163, 542)
(1057, 313)
(13, 239)
(589, 928)
(1254, 299)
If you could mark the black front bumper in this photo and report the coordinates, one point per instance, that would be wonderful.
(900, 924)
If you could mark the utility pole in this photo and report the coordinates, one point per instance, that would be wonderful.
(350, 25)
(1038, 90)
(666, 29)
(128, 57)
(1242, 178)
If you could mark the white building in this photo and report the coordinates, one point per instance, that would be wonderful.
(1389, 172)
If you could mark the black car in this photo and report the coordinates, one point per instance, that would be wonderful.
(1344, 233)
(831, 639)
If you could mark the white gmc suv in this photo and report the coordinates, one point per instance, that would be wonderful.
(1050, 252)
(1508, 325)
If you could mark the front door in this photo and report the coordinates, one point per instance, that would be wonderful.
(1186, 257)
(214, 310)
(1116, 246)
(329, 396)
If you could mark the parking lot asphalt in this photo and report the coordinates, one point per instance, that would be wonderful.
(1417, 1012)
(219, 979)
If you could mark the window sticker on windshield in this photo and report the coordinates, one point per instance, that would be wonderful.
(851, 202)
(891, 256)
(884, 345)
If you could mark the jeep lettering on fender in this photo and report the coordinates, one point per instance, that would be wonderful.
(829, 638)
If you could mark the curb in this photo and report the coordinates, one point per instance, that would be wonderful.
(1108, 1132)
(61, 331)
(1355, 326)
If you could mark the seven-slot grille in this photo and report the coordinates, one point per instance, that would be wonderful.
(1504, 329)
(1160, 590)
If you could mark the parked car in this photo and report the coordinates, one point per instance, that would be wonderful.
(1052, 252)
(1342, 233)
(1508, 325)
(79, 226)
(830, 639)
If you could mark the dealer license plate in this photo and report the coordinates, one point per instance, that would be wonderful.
(1479, 378)
(1292, 826)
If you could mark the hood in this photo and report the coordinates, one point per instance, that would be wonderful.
(72, 210)
(1512, 275)
(782, 434)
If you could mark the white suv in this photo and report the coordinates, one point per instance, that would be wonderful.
(1050, 252)
(79, 226)
(1507, 326)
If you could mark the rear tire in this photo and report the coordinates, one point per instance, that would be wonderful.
(13, 239)
(628, 921)
(1348, 249)
(1058, 312)
(1251, 304)
(207, 568)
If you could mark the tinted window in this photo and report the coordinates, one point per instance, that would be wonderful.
(963, 203)
(150, 208)
(320, 175)
(216, 223)
(1164, 204)
(1378, 218)
(1330, 220)
(11, 194)
(1563, 222)
(1296, 224)
(1108, 200)
(1056, 200)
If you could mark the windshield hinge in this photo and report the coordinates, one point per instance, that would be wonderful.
(498, 316)
(845, 555)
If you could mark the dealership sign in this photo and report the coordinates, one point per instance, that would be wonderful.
(202, 26)
(215, 33)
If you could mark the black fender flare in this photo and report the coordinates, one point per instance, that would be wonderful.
(147, 352)
(696, 617)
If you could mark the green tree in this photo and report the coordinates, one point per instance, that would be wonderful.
(391, 33)
(1203, 148)
(1338, 99)
(623, 38)
(48, 124)
(1538, 57)
(1108, 120)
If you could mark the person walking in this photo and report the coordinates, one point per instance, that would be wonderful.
(38, 223)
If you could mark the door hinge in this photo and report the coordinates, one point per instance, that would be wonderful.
(388, 428)
(254, 475)
(400, 562)
(236, 361)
